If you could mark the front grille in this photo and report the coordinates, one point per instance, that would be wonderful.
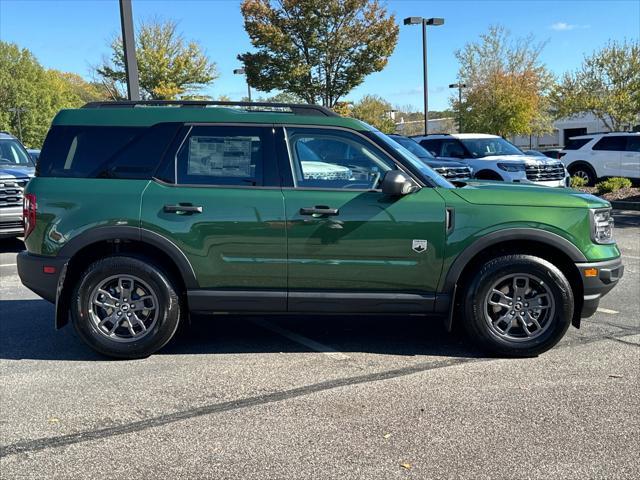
(545, 173)
(11, 192)
(11, 225)
(454, 173)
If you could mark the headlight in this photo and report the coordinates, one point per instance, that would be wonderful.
(601, 226)
(512, 167)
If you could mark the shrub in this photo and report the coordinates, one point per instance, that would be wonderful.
(577, 182)
(613, 185)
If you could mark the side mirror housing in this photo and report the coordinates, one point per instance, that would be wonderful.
(396, 183)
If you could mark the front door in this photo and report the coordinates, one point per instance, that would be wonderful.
(220, 202)
(351, 248)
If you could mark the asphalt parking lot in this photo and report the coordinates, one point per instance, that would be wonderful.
(326, 397)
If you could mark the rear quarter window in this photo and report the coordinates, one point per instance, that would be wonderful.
(576, 143)
(104, 152)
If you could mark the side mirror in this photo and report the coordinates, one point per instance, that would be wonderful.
(395, 184)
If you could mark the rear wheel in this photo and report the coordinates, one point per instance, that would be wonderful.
(584, 171)
(125, 307)
(518, 305)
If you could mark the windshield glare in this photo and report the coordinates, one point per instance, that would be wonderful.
(12, 153)
(484, 147)
(414, 147)
(413, 160)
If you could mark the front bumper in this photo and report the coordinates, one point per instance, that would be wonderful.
(32, 272)
(595, 287)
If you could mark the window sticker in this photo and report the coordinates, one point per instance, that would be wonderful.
(221, 156)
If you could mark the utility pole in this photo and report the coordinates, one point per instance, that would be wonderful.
(129, 45)
(459, 86)
(18, 111)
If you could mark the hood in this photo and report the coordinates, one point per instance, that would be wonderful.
(18, 171)
(519, 158)
(443, 163)
(500, 193)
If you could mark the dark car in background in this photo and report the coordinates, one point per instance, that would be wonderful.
(449, 169)
(16, 169)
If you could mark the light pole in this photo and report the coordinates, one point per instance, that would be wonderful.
(240, 71)
(18, 111)
(459, 86)
(129, 45)
(424, 21)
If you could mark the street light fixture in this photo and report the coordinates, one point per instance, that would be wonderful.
(240, 71)
(459, 86)
(424, 22)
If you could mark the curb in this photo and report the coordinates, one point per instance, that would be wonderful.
(622, 205)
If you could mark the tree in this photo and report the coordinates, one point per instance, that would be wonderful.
(318, 50)
(169, 67)
(37, 92)
(375, 111)
(507, 86)
(607, 85)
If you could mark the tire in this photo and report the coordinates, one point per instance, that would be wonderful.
(98, 305)
(551, 306)
(585, 171)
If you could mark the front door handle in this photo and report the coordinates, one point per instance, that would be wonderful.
(319, 210)
(183, 208)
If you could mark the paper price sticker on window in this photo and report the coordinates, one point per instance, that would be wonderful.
(221, 156)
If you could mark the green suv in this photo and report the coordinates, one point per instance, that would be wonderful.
(144, 212)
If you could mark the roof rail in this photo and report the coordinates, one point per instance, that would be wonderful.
(295, 108)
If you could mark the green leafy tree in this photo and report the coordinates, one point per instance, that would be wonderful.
(169, 67)
(38, 93)
(375, 111)
(318, 50)
(507, 85)
(607, 85)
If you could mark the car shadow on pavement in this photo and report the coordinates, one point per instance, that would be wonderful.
(27, 333)
(11, 245)
(626, 219)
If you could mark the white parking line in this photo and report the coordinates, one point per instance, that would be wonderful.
(606, 310)
(8, 265)
(631, 256)
(307, 342)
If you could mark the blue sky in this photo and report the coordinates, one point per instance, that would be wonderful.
(73, 36)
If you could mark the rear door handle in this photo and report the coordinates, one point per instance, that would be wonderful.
(183, 208)
(319, 210)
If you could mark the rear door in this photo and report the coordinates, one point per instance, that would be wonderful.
(218, 198)
(351, 248)
(630, 162)
(606, 155)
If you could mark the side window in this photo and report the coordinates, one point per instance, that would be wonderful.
(452, 148)
(325, 158)
(222, 156)
(633, 143)
(433, 146)
(611, 143)
(74, 151)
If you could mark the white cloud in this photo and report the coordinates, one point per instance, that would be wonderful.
(565, 27)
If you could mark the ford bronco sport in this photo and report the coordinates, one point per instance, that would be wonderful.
(142, 212)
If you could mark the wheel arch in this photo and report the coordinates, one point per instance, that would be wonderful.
(103, 241)
(488, 174)
(541, 243)
(583, 163)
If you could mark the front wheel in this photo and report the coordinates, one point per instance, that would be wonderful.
(124, 307)
(518, 305)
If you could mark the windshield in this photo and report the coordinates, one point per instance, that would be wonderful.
(411, 159)
(413, 146)
(484, 147)
(12, 153)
